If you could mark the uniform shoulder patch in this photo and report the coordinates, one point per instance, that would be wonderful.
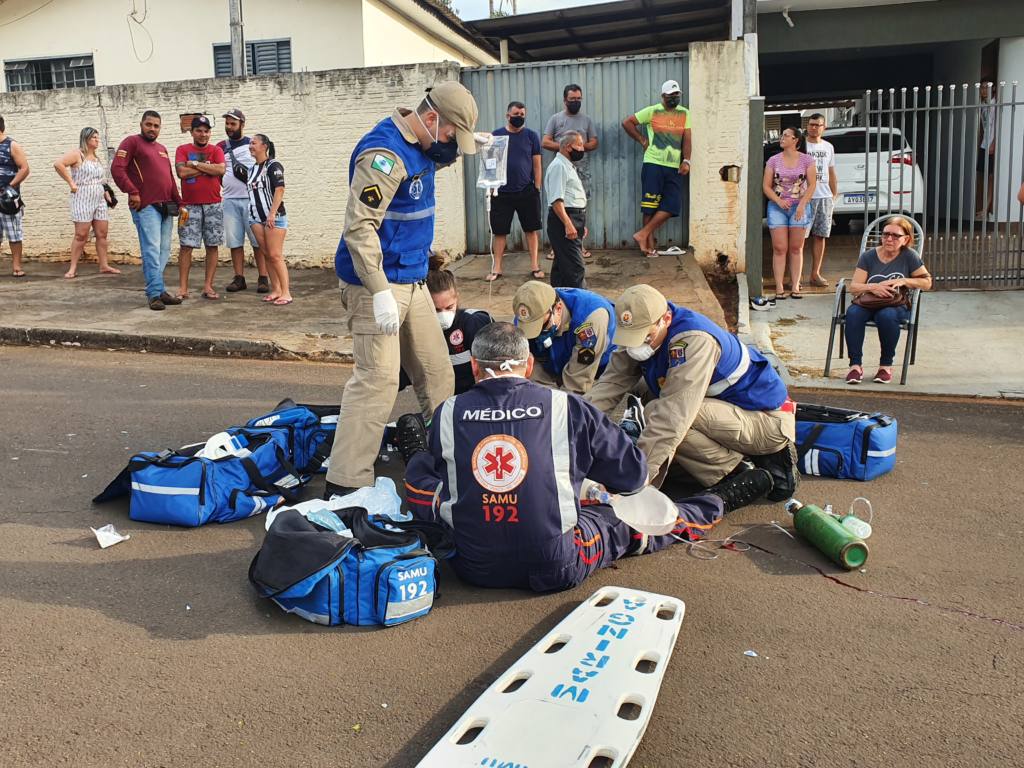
(383, 163)
(676, 353)
(585, 356)
(371, 196)
(586, 335)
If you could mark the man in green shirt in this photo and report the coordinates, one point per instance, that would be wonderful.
(666, 141)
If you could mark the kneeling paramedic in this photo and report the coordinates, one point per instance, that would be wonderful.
(714, 402)
(382, 263)
(503, 468)
(570, 332)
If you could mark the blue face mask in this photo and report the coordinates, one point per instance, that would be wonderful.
(441, 152)
(546, 338)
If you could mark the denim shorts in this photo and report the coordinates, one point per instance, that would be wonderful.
(280, 221)
(236, 222)
(778, 218)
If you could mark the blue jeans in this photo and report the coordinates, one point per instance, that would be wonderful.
(155, 242)
(888, 321)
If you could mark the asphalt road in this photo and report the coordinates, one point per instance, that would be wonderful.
(156, 652)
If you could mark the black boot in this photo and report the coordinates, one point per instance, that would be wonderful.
(782, 466)
(410, 435)
(739, 490)
(633, 420)
(332, 489)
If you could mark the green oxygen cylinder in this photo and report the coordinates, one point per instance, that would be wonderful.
(828, 535)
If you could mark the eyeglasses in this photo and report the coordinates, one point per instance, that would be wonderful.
(896, 235)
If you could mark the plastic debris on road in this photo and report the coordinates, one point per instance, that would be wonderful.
(751, 654)
(108, 536)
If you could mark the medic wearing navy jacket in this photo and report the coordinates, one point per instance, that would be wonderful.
(570, 332)
(714, 402)
(503, 468)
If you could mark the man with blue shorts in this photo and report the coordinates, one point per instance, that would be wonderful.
(667, 145)
(236, 202)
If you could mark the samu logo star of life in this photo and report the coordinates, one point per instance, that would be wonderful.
(500, 463)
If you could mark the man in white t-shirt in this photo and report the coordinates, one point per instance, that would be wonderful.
(824, 198)
(235, 194)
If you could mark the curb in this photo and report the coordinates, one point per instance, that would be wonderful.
(758, 333)
(175, 345)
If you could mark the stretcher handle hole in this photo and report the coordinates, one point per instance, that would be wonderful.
(630, 710)
(666, 611)
(469, 735)
(557, 644)
(602, 759)
(646, 665)
(606, 598)
(516, 682)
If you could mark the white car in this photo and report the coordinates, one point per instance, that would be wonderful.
(891, 176)
(854, 174)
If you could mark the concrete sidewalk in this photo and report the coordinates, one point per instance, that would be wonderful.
(110, 312)
(969, 344)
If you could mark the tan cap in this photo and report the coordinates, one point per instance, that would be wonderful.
(458, 107)
(636, 310)
(530, 305)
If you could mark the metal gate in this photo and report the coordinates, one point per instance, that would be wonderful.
(612, 88)
(970, 156)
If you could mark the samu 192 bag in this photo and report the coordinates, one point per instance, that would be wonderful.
(178, 487)
(835, 442)
(380, 575)
(310, 429)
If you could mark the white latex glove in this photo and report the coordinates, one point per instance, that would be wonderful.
(385, 312)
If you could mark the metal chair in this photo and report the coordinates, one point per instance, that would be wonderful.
(873, 237)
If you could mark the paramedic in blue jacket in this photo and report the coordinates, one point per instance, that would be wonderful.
(712, 401)
(570, 332)
(382, 263)
(503, 468)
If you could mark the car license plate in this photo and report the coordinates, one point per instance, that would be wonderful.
(857, 198)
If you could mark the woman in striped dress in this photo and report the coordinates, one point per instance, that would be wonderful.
(85, 174)
(267, 216)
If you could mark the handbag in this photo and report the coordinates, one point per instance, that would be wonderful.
(873, 301)
(110, 198)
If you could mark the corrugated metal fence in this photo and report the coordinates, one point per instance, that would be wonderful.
(612, 88)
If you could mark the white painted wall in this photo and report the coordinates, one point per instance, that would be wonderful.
(720, 88)
(176, 39)
(1011, 68)
(389, 39)
(314, 119)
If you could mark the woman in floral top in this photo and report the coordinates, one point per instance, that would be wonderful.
(789, 181)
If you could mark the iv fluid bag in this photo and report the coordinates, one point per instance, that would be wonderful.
(492, 163)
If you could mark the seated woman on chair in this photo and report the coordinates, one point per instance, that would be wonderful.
(880, 275)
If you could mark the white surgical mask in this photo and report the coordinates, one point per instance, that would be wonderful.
(446, 318)
(641, 353)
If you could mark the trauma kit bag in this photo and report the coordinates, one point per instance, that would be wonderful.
(310, 430)
(184, 487)
(363, 570)
(836, 442)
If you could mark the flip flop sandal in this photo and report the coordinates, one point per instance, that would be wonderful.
(492, 276)
(675, 250)
(18, 273)
(537, 274)
(270, 299)
(208, 295)
(821, 282)
(653, 254)
(282, 302)
(796, 295)
(781, 296)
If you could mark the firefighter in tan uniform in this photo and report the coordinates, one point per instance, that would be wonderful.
(714, 401)
(382, 262)
(570, 332)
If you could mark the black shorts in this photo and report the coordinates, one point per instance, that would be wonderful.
(661, 190)
(984, 159)
(525, 204)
